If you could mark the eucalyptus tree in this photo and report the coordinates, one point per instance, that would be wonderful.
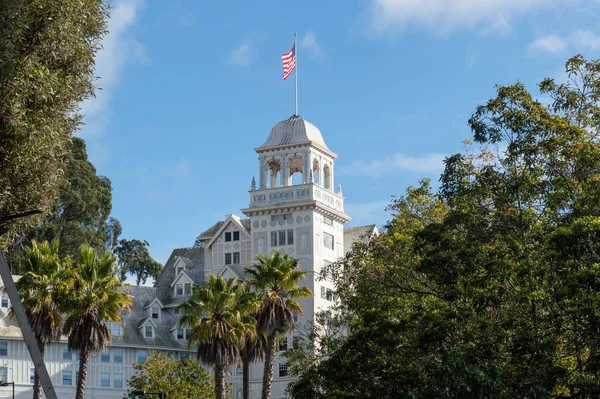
(97, 298)
(219, 314)
(276, 280)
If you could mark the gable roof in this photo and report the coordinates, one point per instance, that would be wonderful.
(152, 302)
(229, 219)
(209, 233)
(358, 233)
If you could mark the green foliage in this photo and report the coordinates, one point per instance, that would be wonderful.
(219, 314)
(96, 298)
(80, 216)
(47, 50)
(44, 289)
(489, 288)
(135, 259)
(276, 280)
(178, 379)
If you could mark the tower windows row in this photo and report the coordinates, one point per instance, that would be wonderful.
(282, 237)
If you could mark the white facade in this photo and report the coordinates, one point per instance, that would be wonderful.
(294, 209)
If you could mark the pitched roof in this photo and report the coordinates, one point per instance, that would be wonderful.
(358, 233)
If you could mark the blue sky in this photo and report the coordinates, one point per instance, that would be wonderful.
(190, 88)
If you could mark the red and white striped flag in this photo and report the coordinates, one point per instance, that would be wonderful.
(289, 62)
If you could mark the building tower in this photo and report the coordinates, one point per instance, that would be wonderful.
(295, 209)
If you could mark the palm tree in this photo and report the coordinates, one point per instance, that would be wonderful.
(97, 298)
(43, 289)
(276, 280)
(252, 349)
(219, 314)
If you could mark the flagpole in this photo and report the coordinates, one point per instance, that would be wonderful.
(296, 76)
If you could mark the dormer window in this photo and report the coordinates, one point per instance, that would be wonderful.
(155, 312)
(148, 332)
(179, 270)
(183, 289)
(232, 236)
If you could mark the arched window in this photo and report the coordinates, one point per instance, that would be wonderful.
(274, 169)
(316, 170)
(326, 177)
(296, 167)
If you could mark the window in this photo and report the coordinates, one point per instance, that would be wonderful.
(117, 380)
(187, 288)
(236, 236)
(188, 331)
(148, 332)
(327, 240)
(105, 380)
(4, 349)
(273, 238)
(67, 377)
(327, 293)
(105, 356)
(4, 301)
(276, 218)
(283, 370)
(327, 220)
(31, 376)
(184, 356)
(295, 317)
(155, 312)
(227, 236)
(142, 355)
(232, 258)
(66, 354)
(232, 236)
(278, 238)
(180, 333)
(179, 289)
(283, 344)
(117, 355)
(76, 377)
(115, 328)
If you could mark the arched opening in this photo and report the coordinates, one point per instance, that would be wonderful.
(316, 170)
(274, 172)
(296, 167)
(326, 177)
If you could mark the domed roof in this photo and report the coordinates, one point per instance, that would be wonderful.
(294, 130)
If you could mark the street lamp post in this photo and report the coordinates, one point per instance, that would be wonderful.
(6, 383)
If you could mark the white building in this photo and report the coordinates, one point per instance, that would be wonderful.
(294, 209)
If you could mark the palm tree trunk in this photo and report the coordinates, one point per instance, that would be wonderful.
(246, 377)
(219, 381)
(37, 384)
(83, 364)
(269, 361)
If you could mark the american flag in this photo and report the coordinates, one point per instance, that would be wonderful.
(289, 62)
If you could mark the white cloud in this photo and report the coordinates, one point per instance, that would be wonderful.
(445, 16)
(427, 164)
(585, 40)
(119, 47)
(549, 44)
(579, 40)
(309, 42)
(241, 55)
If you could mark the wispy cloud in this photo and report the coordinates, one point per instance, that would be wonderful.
(310, 44)
(241, 55)
(429, 163)
(119, 47)
(549, 44)
(445, 16)
(578, 40)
